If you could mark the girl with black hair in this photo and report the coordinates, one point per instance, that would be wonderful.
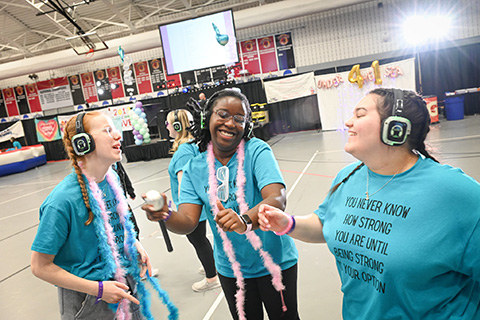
(230, 178)
(404, 229)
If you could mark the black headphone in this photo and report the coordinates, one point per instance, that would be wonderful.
(82, 142)
(395, 129)
(177, 125)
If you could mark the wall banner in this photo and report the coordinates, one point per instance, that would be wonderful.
(55, 93)
(47, 130)
(15, 130)
(288, 88)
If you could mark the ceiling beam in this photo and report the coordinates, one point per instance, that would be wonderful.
(38, 7)
(120, 15)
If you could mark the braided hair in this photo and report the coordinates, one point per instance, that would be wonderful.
(69, 132)
(414, 109)
(201, 127)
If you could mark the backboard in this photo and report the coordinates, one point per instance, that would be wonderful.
(86, 43)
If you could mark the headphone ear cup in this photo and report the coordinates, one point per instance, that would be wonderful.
(177, 126)
(83, 144)
(395, 130)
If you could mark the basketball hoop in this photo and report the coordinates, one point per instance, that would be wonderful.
(89, 54)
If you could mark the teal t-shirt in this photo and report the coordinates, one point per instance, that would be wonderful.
(184, 153)
(62, 231)
(261, 169)
(17, 145)
(412, 250)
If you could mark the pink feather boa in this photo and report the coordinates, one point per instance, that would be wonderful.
(252, 237)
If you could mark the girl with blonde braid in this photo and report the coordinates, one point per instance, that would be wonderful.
(85, 243)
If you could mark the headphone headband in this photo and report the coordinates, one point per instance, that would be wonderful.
(79, 123)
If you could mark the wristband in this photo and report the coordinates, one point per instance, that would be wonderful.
(169, 210)
(248, 223)
(100, 292)
(289, 228)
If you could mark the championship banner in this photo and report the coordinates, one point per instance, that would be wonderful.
(289, 88)
(268, 56)
(116, 84)
(157, 76)
(54, 93)
(249, 55)
(337, 96)
(10, 102)
(76, 89)
(15, 130)
(21, 98)
(47, 130)
(103, 85)
(89, 87)
(143, 77)
(33, 98)
(286, 59)
(3, 109)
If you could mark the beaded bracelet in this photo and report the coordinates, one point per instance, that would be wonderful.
(169, 210)
(289, 228)
(100, 292)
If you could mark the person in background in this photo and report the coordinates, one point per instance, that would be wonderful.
(403, 228)
(232, 176)
(16, 145)
(183, 150)
(202, 99)
(85, 243)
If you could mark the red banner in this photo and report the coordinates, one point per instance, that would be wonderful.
(10, 102)
(89, 87)
(250, 56)
(144, 83)
(268, 56)
(33, 99)
(116, 84)
(173, 80)
(52, 83)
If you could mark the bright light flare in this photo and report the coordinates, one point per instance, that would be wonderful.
(420, 29)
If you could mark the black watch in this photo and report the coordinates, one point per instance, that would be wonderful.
(246, 219)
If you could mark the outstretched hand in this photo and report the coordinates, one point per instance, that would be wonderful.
(271, 218)
(153, 215)
(114, 292)
(229, 220)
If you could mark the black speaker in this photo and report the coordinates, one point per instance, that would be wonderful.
(82, 142)
(162, 129)
(395, 129)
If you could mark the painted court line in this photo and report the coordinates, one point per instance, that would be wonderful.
(215, 304)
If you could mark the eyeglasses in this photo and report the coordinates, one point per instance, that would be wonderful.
(222, 190)
(225, 116)
(112, 132)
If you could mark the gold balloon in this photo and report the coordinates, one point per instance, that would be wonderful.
(358, 77)
(376, 71)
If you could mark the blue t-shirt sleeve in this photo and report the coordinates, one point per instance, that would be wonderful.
(187, 188)
(183, 154)
(265, 167)
(52, 231)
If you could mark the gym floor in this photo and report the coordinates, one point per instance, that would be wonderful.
(308, 160)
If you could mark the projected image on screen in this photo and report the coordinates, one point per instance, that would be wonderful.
(199, 43)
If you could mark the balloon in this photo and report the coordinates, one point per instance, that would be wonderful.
(147, 140)
(142, 131)
(139, 136)
(358, 77)
(146, 136)
(138, 104)
(141, 121)
(137, 127)
(131, 112)
(145, 125)
(138, 111)
(376, 71)
(135, 116)
(143, 115)
(138, 142)
(135, 132)
(141, 108)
